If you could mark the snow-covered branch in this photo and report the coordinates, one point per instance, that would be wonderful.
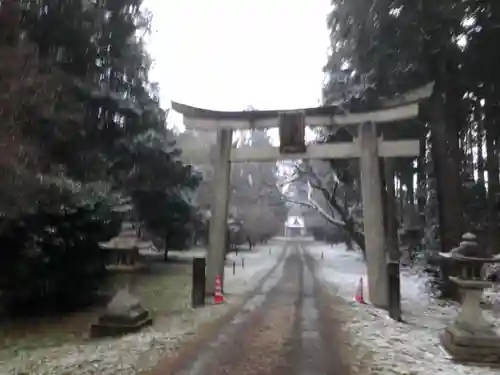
(339, 214)
(316, 183)
(315, 206)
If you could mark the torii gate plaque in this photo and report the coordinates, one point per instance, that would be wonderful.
(366, 146)
(292, 132)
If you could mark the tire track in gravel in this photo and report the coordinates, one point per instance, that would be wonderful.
(330, 327)
(263, 348)
(287, 328)
(312, 351)
(188, 358)
(227, 345)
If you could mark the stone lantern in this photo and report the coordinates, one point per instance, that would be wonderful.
(124, 314)
(471, 337)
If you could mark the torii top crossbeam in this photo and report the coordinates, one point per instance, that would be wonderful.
(400, 108)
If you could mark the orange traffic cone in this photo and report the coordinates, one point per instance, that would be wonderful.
(218, 297)
(359, 298)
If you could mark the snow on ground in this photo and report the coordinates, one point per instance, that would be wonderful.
(134, 353)
(394, 348)
(250, 265)
(301, 239)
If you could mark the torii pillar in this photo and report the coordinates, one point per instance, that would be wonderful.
(368, 147)
(217, 240)
(373, 214)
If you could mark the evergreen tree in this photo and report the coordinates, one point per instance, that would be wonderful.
(400, 45)
(121, 135)
(81, 128)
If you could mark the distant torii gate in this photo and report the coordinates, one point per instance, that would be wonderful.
(367, 146)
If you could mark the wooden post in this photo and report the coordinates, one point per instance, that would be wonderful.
(198, 285)
(373, 217)
(218, 221)
(394, 290)
(391, 235)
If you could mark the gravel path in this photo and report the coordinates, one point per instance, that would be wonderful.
(285, 328)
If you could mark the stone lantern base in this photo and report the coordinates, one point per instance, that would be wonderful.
(471, 338)
(466, 346)
(123, 315)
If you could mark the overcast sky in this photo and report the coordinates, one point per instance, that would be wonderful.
(231, 54)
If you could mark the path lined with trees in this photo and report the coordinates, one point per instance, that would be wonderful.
(286, 327)
(82, 134)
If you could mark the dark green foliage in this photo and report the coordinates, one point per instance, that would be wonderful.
(103, 134)
(51, 261)
(168, 216)
(110, 127)
(402, 44)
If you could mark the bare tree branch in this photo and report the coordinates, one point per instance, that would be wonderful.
(339, 215)
(331, 197)
(316, 207)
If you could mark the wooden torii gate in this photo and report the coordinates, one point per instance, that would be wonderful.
(367, 146)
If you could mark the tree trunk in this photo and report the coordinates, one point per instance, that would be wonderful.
(422, 179)
(447, 188)
(455, 120)
(480, 156)
(444, 113)
(447, 178)
(354, 236)
(390, 217)
(470, 155)
(481, 165)
(401, 197)
(409, 202)
(493, 179)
